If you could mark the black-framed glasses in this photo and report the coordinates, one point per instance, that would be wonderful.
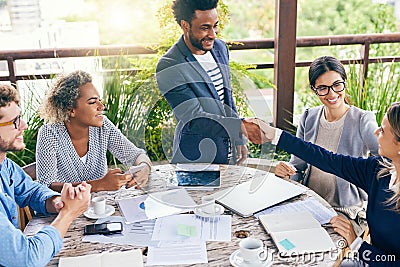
(16, 122)
(324, 89)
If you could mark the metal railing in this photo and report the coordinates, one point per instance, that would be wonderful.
(365, 40)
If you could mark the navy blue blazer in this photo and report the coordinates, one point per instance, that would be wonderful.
(206, 127)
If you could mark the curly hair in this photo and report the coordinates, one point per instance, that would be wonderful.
(8, 94)
(61, 98)
(184, 9)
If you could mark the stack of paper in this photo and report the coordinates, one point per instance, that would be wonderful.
(182, 238)
(155, 205)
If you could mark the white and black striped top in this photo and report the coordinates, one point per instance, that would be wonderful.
(211, 67)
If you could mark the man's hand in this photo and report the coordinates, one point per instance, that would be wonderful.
(55, 204)
(241, 154)
(268, 132)
(76, 200)
(252, 131)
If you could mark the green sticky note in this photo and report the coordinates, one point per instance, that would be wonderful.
(186, 230)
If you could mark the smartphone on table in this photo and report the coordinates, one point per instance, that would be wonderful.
(103, 228)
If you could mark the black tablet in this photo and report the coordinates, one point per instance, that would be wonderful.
(197, 179)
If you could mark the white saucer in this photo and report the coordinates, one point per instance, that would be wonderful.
(218, 211)
(237, 261)
(91, 215)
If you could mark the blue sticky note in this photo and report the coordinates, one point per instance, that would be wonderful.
(287, 244)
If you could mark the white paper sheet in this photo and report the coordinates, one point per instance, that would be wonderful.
(105, 259)
(156, 205)
(174, 253)
(317, 210)
(137, 234)
(189, 227)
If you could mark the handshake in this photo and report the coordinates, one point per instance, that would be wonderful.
(257, 130)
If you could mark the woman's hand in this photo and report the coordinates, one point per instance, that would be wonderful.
(283, 169)
(112, 181)
(140, 178)
(343, 227)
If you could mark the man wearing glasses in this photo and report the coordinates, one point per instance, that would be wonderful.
(16, 187)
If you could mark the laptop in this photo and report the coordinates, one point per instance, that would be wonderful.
(255, 195)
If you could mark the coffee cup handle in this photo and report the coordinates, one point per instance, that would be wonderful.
(263, 255)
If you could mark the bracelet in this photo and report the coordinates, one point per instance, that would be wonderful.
(145, 162)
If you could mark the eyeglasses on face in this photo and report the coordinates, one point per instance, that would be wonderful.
(324, 89)
(16, 121)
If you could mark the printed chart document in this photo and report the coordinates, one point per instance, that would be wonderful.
(137, 234)
(296, 233)
(174, 253)
(312, 205)
(105, 259)
(155, 205)
(189, 228)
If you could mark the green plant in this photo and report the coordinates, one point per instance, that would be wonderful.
(29, 104)
(378, 91)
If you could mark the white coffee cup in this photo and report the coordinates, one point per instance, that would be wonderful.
(252, 250)
(99, 205)
(208, 204)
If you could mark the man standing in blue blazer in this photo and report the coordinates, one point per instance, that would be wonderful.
(194, 77)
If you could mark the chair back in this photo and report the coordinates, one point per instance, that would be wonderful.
(25, 213)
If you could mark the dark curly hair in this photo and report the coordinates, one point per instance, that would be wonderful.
(184, 9)
(62, 96)
(8, 94)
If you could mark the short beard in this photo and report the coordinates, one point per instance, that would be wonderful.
(6, 147)
(196, 43)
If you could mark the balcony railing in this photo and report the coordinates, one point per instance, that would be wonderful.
(365, 40)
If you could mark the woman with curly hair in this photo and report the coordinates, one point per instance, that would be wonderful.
(72, 146)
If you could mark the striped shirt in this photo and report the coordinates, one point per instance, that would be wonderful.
(208, 63)
(210, 66)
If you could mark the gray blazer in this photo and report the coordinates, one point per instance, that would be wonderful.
(206, 127)
(357, 140)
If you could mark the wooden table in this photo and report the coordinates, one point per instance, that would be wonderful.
(218, 252)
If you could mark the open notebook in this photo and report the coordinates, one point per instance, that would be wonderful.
(296, 233)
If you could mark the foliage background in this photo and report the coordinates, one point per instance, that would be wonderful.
(151, 22)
